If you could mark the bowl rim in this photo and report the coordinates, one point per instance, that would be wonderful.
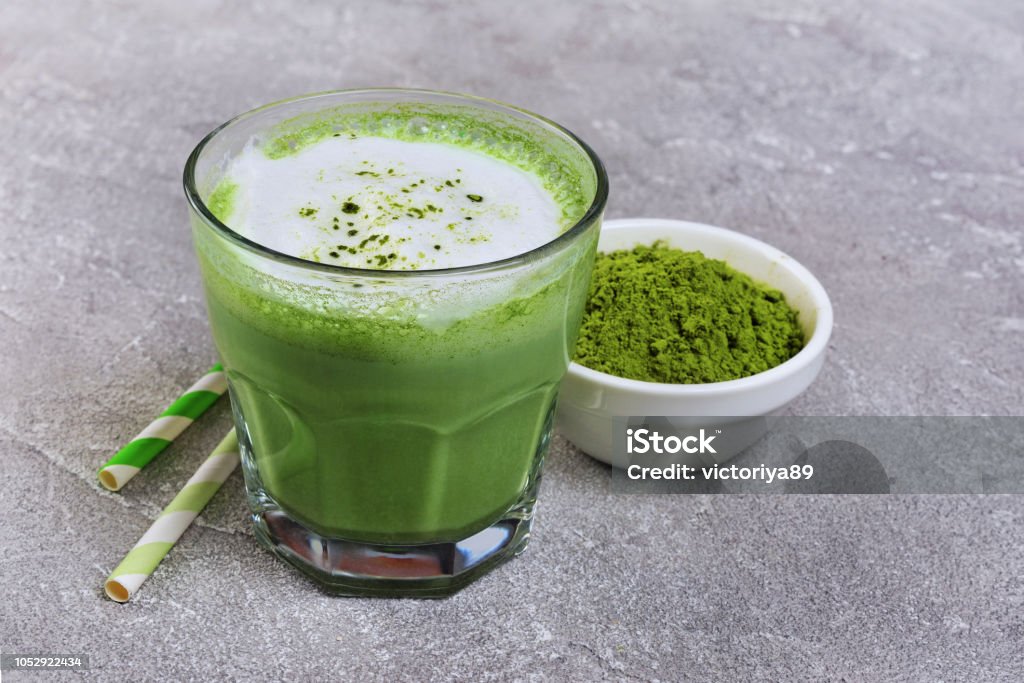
(814, 347)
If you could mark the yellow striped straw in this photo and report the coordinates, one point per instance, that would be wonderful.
(143, 559)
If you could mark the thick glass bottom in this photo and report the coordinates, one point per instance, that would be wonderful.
(428, 570)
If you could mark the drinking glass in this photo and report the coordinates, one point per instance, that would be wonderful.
(393, 424)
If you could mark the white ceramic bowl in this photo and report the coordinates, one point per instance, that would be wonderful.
(588, 399)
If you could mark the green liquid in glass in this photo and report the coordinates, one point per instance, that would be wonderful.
(387, 426)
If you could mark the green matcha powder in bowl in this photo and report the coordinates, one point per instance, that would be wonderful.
(660, 314)
(690, 320)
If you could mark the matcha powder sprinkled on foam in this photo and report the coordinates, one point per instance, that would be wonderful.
(660, 314)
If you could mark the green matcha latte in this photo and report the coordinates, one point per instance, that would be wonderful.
(395, 289)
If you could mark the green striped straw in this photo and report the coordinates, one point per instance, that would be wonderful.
(119, 470)
(142, 560)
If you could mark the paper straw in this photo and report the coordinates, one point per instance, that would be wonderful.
(162, 431)
(143, 559)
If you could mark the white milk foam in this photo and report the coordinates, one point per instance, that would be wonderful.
(381, 203)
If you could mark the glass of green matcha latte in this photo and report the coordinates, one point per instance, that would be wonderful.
(395, 280)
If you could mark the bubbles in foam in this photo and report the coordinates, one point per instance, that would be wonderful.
(381, 203)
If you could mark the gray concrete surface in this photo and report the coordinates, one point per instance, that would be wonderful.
(878, 142)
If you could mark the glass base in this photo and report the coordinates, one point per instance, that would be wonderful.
(430, 570)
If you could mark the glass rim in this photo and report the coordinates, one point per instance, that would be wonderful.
(594, 210)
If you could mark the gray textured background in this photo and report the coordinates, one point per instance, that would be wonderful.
(878, 142)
